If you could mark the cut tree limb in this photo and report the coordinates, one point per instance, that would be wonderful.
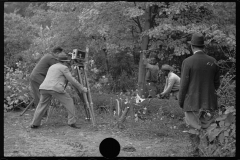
(111, 107)
(124, 115)
(118, 108)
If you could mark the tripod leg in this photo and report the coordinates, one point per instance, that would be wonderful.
(84, 96)
(85, 107)
(90, 99)
(27, 107)
(87, 113)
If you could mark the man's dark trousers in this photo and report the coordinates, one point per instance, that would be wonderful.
(35, 89)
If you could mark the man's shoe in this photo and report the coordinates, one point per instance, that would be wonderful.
(34, 126)
(74, 126)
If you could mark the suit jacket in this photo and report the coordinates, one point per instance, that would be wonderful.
(57, 77)
(40, 70)
(199, 80)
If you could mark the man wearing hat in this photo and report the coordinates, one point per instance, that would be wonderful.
(199, 82)
(54, 86)
(40, 70)
(172, 81)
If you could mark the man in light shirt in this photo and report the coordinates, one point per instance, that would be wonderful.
(172, 81)
(54, 86)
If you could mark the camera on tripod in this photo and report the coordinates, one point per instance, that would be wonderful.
(78, 56)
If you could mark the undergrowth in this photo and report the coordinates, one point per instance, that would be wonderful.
(163, 123)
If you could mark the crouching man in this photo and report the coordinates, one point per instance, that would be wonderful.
(172, 82)
(54, 86)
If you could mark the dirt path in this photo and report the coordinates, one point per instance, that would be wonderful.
(57, 139)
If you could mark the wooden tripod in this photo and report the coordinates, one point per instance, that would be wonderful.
(88, 107)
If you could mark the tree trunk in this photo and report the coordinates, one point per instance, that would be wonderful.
(106, 57)
(144, 46)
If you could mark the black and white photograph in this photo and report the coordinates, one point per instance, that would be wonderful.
(119, 79)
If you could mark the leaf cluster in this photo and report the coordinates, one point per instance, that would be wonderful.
(219, 139)
(18, 35)
(16, 87)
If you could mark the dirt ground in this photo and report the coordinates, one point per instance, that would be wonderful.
(55, 138)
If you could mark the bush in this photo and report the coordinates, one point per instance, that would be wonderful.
(102, 102)
(16, 87)
(227, 90)
(220, 138)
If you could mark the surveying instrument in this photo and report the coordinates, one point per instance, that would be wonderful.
(78, 62)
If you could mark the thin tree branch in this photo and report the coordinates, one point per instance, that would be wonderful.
(137, 20)
(138, 23)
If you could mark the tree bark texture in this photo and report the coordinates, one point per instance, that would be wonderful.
(144, 46)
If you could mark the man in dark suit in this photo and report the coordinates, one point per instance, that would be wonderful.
(40, 71)
(199, 82)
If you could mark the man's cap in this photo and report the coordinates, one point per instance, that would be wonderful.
(63, 57)
(57, 50)
(167, 67)
(197, 40)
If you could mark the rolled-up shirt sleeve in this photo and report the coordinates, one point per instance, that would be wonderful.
(166, 83)
(170, 84)
(72, 80)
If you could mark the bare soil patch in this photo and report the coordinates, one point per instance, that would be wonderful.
(56, 138)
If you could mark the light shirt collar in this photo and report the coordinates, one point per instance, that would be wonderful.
(196, 51)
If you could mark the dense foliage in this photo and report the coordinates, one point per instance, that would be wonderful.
(220, 138)
(16, 87)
